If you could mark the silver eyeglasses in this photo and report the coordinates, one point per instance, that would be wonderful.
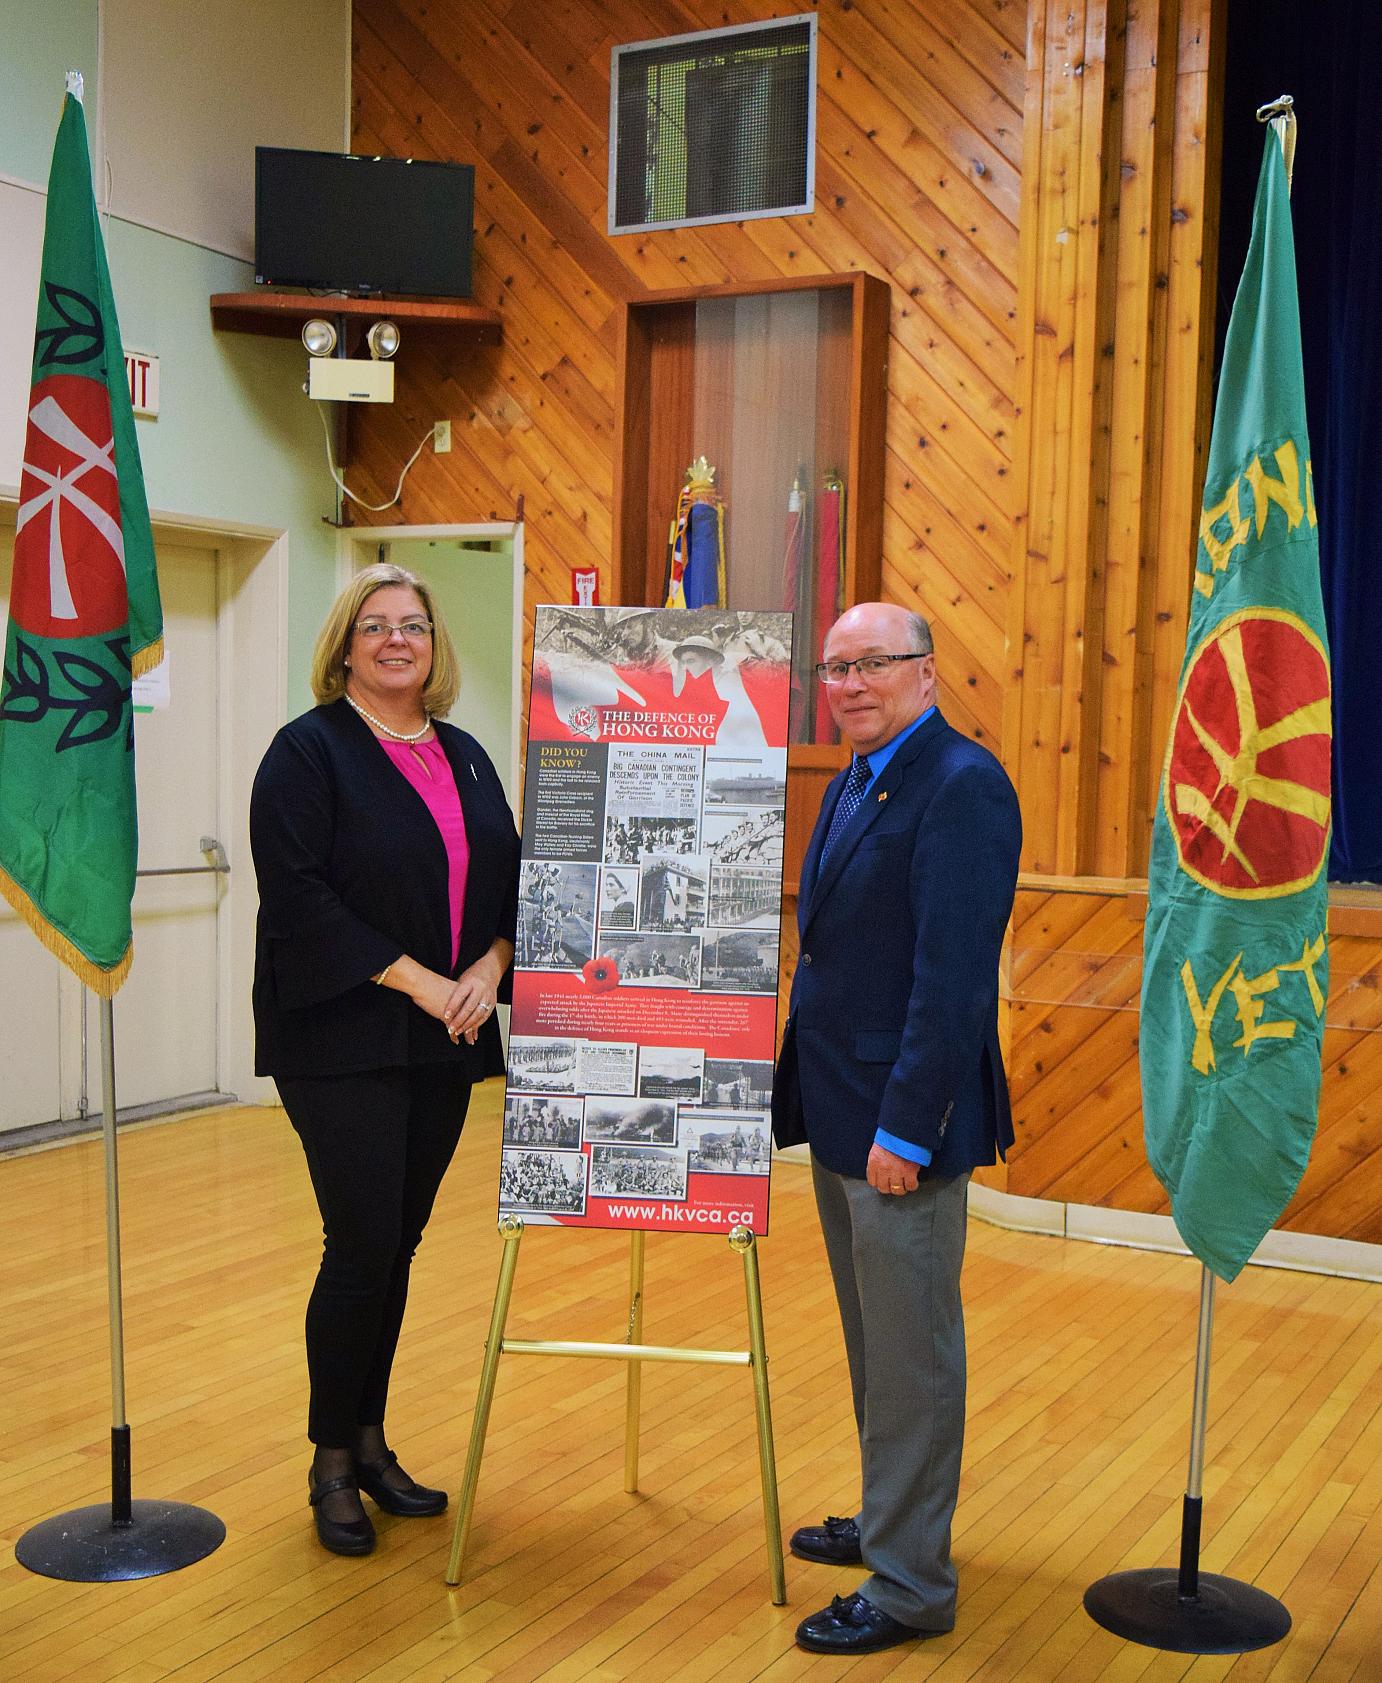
(416, 629)
(867, 666)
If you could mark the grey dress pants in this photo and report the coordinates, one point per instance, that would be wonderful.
(896, 1267)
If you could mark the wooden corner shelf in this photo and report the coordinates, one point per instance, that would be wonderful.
(282, 314)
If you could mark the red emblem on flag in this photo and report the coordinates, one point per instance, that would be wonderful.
(1247, 781)
(69, 550)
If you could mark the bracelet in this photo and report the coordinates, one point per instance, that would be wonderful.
(379, 979)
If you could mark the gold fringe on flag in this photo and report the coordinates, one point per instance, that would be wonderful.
(104, 982)
(145, 659)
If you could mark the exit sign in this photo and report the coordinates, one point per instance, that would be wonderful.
(141, 370)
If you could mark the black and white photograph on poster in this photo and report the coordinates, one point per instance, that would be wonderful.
(664, 961)
(606, 1066)
(543, 1182)
(745, 780)
(556, 915)
(653, 777)
(740, 961)
(737, 835)
(543, 1119)
(726, 1142)
(619, 897)
(670, 1072)
(647, 1171)
(738, 1084)
(746, 896)
(721, 649)
(672, 892)
(628, 839)
(562, 818)
(630, 1121)
(540, 1065)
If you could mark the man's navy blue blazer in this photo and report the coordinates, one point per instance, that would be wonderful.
(894, 1009)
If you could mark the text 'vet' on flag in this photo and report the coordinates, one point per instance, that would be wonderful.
(1235, 970)
(84, 607)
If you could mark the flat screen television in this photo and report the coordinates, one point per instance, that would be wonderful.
(347, 223)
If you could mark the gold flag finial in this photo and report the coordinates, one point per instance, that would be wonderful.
(700, 476)
(1281, 114)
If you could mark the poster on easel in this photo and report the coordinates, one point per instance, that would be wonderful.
(644, 1017)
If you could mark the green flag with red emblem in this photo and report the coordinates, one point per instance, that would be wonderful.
(1235, 969)
(84, 615)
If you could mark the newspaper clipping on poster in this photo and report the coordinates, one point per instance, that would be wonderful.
(644, 1015)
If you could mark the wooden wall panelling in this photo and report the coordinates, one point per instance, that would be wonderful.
(1128, 360)
(1072, 111)
(1128, 723)
(1192, 276)
(919, 142)
(1074, 984)
(1112, 376)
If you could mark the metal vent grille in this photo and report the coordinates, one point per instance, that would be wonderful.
(713, 127)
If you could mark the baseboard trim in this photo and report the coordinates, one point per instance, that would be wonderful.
(1307, 1253)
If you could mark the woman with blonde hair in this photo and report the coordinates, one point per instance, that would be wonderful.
(388, 883)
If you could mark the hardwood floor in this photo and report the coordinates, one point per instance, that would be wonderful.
(1080, 1368)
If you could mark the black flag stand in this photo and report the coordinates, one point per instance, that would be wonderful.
(1189, 1611)
(123, 1539)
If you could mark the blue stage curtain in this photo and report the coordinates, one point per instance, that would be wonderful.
(1327, 58)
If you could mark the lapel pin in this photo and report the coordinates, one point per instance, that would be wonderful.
(883, 795)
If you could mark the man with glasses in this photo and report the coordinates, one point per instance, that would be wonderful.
(890, 1068)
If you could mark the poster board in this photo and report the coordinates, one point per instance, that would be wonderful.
(644, 1017)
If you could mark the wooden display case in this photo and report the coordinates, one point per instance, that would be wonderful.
(771, 382)
(763, 380)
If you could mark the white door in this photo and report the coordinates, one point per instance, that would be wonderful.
(166, 1013)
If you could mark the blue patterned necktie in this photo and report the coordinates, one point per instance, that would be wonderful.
(851, 799)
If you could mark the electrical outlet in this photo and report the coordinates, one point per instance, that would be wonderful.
(441, 437)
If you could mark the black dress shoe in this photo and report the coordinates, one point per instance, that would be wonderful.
(836, 1542)
(853, 1625)
(341, 1536)
(409, 1501)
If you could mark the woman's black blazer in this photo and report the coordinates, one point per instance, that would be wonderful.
(352, 874)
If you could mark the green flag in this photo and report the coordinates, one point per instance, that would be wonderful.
(84, 607)
(1235, 970)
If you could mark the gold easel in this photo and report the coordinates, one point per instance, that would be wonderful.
(635, 1353)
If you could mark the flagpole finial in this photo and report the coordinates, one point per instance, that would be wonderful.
(1281, 114)
(74, 84)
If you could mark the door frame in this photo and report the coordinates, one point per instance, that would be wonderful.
(252, 566)
(354, 542)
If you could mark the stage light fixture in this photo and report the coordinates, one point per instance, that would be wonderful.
(383, 340)
(319, 337)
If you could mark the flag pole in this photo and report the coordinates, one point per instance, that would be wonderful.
(119, 1426)
(111, 1542)
(1188, 1611)
(85, 597)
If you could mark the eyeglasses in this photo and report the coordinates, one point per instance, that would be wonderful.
(414, 629)
(867, 666)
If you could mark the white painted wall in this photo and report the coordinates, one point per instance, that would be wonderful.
(178, 92)
(189, 88)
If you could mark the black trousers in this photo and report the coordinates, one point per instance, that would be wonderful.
(377, 1144)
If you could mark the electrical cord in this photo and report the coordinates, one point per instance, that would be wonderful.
(376, 508)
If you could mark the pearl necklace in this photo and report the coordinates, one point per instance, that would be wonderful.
(397, 735)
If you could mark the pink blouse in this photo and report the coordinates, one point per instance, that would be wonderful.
(427, 768)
